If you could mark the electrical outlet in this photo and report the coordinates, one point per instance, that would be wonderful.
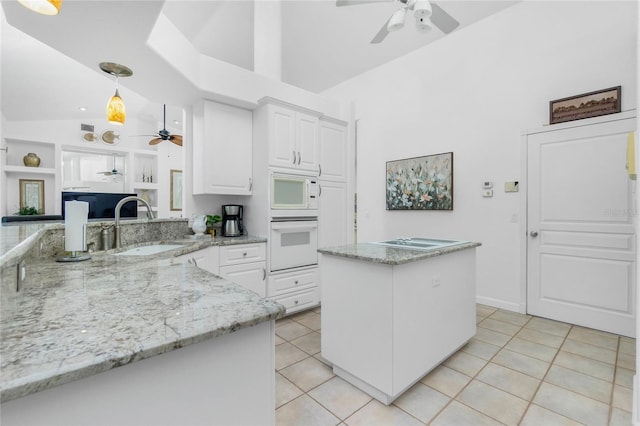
(435, 281)
(487, 192)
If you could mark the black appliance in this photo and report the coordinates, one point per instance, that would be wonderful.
(232, 220)
(102, 205)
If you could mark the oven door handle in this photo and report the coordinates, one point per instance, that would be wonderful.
(281, 226)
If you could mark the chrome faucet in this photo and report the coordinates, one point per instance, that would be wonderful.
(116, 229)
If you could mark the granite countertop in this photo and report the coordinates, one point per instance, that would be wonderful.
(390, 255)
(74, 320)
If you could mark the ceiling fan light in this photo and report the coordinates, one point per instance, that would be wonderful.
(423, 25)
(396, 21)
(422, 9)
(116, 111)
(43, 7)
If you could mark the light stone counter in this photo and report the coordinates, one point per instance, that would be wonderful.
(390, 255)
(74, 320)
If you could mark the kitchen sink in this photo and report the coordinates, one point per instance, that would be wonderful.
(419, 243)
(148, 250)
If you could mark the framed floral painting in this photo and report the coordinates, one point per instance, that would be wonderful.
(421, 183)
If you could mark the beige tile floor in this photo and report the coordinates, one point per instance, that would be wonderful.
(518, 369)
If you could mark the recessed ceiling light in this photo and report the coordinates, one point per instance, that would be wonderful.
(82, 108)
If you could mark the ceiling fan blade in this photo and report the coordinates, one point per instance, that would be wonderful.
(442, 19)
(177, 139)
(155, 141)
(341, 3)
(382, 34)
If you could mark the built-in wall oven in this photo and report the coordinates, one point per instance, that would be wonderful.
(293, 242)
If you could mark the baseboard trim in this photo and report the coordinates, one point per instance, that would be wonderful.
(501, 304)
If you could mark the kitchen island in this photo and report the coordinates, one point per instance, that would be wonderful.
(189, 346)
(390, 315)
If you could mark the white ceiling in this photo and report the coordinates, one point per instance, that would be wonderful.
(49, 65)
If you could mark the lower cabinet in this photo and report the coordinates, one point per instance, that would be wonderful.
(244, 264)
(207, 259)
(250, 275)
(295, 290)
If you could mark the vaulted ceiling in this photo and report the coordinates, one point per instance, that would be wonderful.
(49, 65)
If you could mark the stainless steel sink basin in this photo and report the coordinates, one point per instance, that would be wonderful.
(419, 243)
(148, 250)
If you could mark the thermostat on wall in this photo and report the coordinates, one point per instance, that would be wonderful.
(487, 184)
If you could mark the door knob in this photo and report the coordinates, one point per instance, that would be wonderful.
(533, 234)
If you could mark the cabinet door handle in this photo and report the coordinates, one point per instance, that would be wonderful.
(264, 274)
(193, 261)
(295, 302)
(296, 282)
(319, 170)
(319, 190)
(294, 157)
(250, 184)
(299, 158)
(244, 253)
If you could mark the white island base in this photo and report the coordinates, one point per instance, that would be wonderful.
(385, 326)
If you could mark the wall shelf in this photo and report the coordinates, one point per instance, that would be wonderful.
(29, 170)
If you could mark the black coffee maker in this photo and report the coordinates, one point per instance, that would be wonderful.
(232, 220)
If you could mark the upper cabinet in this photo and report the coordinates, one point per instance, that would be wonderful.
(333, 150)
(222, 149)
(293, 138)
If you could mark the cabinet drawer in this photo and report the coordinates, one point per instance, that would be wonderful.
(299, 300)
(292, 281)
(242, 253)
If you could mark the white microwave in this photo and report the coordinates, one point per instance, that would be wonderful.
(294, 193)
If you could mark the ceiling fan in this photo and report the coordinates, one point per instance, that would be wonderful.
(425, 13)
(164, 135)
(113, 172)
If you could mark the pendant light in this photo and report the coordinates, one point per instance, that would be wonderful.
(43, 7)
(116, 111)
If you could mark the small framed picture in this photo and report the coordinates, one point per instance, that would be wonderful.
(32, 194)
(592, 104)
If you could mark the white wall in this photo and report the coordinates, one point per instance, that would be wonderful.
(473, 93)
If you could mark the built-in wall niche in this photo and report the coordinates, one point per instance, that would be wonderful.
(94, 171)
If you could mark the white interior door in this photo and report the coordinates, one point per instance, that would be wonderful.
(581, 243)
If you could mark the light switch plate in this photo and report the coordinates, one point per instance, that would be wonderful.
(511, 186)
(487, 184)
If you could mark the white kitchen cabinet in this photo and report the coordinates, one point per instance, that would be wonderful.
(332, 214)
(333, 150)
(295, 290)
(245, 264)
(251, 276)
(207, 259)
(222, 149)
(293, 138)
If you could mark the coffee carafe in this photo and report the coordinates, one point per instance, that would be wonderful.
(232, 220)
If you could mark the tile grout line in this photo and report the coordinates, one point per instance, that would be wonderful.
(542, 380)
(475, 377)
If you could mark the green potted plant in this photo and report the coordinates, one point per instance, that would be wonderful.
(212, 220)
(28, 211)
